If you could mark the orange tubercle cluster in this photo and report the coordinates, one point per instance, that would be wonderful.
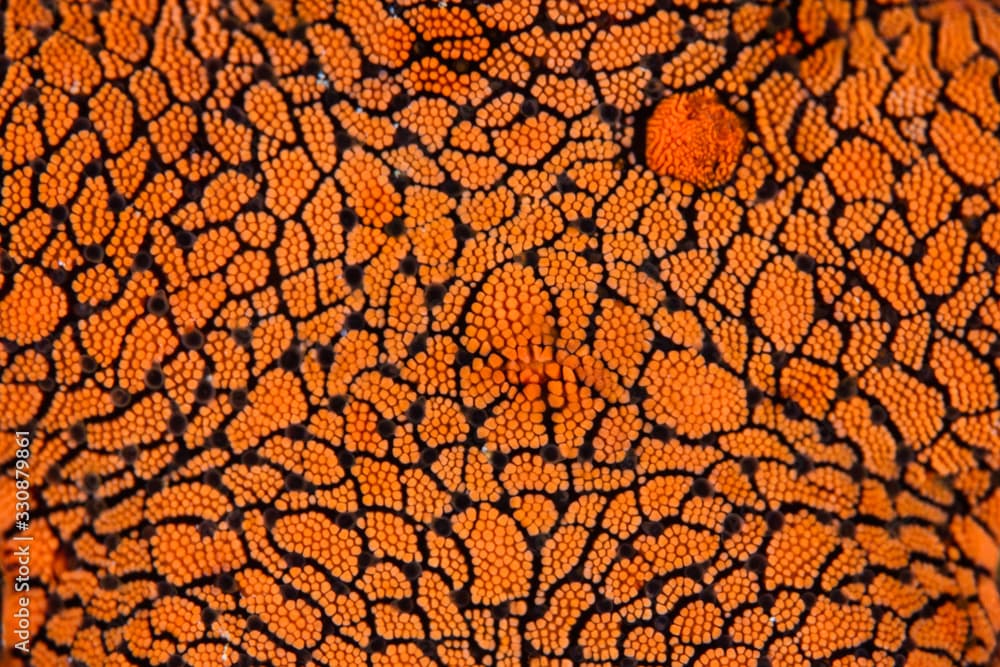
(694, 138)
(525, 333)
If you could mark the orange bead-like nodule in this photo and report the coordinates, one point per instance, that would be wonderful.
(693, 137)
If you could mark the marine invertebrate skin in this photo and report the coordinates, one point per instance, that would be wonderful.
(373, 333)
(694, 138)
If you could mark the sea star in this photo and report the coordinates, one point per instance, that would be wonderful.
(363, 333)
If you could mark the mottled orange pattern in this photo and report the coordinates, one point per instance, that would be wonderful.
(517, 332)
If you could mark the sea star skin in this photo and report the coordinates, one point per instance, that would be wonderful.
(361, 334)
(694, 138)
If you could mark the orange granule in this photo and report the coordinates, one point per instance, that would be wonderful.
(694, 138)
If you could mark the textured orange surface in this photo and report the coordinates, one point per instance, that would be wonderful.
(521, 332)
(692, 137)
